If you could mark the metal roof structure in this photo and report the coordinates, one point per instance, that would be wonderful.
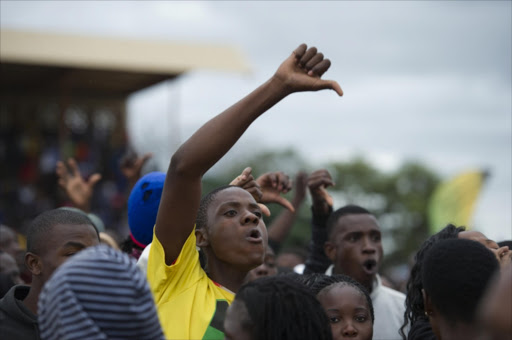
(36, 62)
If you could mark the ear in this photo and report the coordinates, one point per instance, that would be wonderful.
(427, 303)
(330, 250)
(33, 263)
(202, 238)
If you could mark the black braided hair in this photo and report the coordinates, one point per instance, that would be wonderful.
(414, 308)
(282, 309)
(321, 284)
(455, 275)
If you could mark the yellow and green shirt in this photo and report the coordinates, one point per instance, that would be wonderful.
(190, 305)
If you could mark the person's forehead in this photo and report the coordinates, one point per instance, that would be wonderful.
(60, 234)
(233, 194)
(357, 222)
(345, 293)
(472, 235)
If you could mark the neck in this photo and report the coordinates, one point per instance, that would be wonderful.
(33, 296)
(367, 285)
(460, 331)
(226, 275)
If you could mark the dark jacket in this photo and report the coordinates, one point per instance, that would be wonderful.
(17, 322)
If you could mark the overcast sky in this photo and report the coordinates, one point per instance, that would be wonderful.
(423, 80)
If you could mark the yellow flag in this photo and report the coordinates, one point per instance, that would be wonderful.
(453, 201)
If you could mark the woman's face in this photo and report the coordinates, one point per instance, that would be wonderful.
(348, 312)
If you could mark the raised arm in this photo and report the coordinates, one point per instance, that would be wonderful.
(283, 223)
(131, 167)
(318, 182)
(182, 189)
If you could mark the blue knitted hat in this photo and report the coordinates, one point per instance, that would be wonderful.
(143, 206)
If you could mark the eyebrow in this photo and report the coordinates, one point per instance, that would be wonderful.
(361, 309)
(74, 244)
(238, 204)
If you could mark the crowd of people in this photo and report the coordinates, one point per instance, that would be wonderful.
(206, 267)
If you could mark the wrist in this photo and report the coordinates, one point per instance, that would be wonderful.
(280, 85)
(322, 208)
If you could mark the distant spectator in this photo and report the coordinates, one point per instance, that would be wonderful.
(53, 237)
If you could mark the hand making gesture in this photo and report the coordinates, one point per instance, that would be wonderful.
(272, 185)
(302, 71)
(78, 190)
(318, 182)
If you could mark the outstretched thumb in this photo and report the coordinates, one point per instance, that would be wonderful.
(285, 203)
(264, 209)
(329, 85)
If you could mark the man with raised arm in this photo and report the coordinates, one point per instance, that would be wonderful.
(227, 223)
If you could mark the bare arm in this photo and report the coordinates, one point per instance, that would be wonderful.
(318, 182)
(182, 188)
(281, 226)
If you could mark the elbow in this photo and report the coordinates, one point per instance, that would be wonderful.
(178, 165)
(181, 167)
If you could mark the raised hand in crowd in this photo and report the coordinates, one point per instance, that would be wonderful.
(131, 166)
(77, 189)
(283, 223)
(272, 185)
(318, 182)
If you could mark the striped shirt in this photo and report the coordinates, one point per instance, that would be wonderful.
(98, 294)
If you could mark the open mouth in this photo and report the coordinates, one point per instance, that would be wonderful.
(370, 266)
(254, 236)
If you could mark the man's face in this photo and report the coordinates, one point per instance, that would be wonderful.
(236, 232)
(63, 242)
(355, 247)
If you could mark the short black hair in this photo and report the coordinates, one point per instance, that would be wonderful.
(281, 308)
(350, 209)
(455, 275)
(322, 283)
(44, 223)
(414, 307)
(204, 204)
